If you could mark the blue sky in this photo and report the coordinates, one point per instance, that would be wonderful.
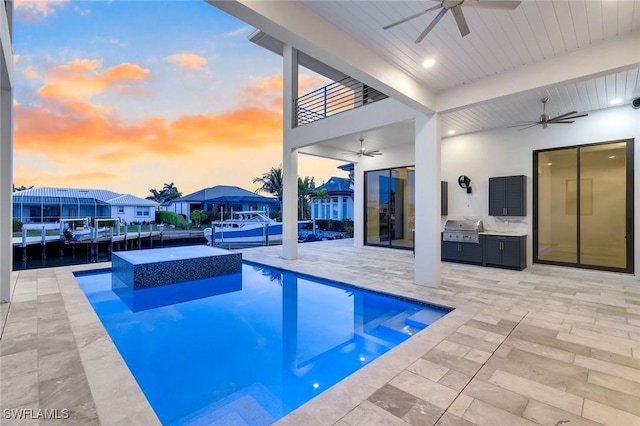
(129, 95)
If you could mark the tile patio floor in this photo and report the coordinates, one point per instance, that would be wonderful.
(548, 345)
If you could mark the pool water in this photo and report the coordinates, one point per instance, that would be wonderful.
(254, 346)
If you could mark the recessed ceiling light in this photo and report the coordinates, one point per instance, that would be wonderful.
(612, 156)
(428, 63)
(452, 132)
(616, 101)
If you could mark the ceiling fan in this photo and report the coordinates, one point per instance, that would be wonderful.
(363, 151)
(456, 9)
(545, 119)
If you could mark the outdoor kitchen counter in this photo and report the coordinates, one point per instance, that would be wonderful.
(504, 233)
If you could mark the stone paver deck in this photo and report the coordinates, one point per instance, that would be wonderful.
(548, 345)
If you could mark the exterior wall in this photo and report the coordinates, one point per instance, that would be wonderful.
(180, 208)
(48, 213)
(510, 152)
(319, 207)
(131, 214)
(506, 152)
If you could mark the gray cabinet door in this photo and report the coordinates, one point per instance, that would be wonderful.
(496, 196)
(449, 251)
(471, 252)
(515, 196)
(492, 250)
(508, 196)
(511, 252)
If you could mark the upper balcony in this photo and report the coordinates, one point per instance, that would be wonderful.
(339, 96)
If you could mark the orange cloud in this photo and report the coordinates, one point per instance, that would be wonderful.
(36, 10)
(268, 91)
(188, 61)
(82, 79)
(93, 143)
(30, 72)
(65, 130)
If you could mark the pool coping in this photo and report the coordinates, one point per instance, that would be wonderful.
(115, 391)
(118, 397)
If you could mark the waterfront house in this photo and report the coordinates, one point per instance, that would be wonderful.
(221, 198)
(338, 203)
(49, 205)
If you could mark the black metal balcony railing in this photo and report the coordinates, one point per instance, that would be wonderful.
(336, 97)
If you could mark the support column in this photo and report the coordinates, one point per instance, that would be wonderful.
(289, 156)
(358, 206)
(6, 202)
(427, 199)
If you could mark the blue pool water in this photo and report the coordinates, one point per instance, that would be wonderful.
(252, 347)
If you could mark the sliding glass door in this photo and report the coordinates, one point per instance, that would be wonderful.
(583, 206)
(390, 207)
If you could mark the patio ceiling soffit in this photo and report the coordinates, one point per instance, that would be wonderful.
(594, 61)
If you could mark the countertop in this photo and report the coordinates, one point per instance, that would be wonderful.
(504, 233)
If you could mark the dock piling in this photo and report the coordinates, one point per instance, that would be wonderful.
(44, 243)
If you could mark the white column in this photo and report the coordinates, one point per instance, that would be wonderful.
(427, 198)
(289, 157)
(340, 202)
(358, 206)
(6, 204)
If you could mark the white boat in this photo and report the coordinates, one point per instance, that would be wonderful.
(82, 233)
(247, 227)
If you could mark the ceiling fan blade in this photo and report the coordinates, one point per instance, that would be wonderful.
(492, 4)
(526, 122)
(431, 25)
(573, 116)
(560, 122)
(460, 21)
(415, 15)
(563, 115)
(528, 127)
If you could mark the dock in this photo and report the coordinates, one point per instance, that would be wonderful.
(113, 238)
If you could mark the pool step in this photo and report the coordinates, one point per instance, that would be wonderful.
(424, 318)
(252, 405)
(397, 326)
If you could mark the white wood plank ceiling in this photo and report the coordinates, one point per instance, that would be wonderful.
(500, 41)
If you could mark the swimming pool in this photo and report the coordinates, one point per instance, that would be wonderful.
(254, 346)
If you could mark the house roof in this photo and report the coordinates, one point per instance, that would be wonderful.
(335, 186)
(130, 200)
(225, 193)
(83, 196)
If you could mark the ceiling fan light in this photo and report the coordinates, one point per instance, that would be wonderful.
(428, 63)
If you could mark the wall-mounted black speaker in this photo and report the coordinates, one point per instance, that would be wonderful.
(636, 103)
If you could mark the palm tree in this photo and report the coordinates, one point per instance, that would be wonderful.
(21, 188)
(198, 216)
(271, 182)
(168, 192)
(306, 187)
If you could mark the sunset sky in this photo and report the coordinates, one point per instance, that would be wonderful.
(129, 95)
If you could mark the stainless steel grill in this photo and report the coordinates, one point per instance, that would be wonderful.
(462, 231)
